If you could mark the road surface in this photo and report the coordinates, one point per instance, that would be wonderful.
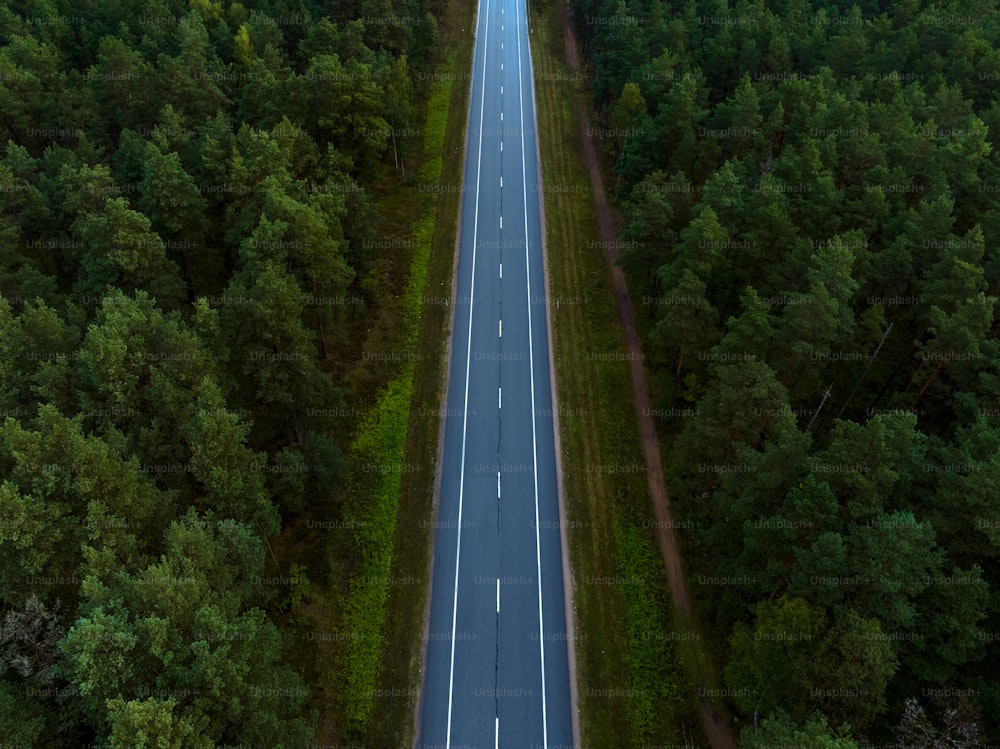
(496, 669)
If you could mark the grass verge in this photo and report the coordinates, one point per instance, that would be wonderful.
(630, 677)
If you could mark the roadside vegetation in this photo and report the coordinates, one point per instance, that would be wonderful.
(629, 672)
(810, 222)
(217, 228)
(373, 665)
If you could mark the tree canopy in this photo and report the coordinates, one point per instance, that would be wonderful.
(809, 213)
(186, 218)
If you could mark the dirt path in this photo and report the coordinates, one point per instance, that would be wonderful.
(715, 728)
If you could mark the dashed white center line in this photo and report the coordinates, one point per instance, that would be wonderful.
(498, 595)
(501, 182)
(501, 90)
(498, 484)
(497, 744)
(501, 271)
(500, 398)
(501, 222)
(501, 328)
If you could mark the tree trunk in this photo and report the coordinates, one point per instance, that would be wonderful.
(930, 381)
(395, 157)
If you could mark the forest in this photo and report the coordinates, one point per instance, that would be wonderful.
(188, 257)
(810, 200)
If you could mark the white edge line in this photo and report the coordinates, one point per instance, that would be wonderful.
(560, 484)
(442, 426)
(531, 368)
(468, 359)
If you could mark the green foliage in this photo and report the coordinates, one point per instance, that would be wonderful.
(771, 665)
(232, 476)
(434, 129)
(379, 447)
(299, 588)
(832, 205)
(657, 688)
(779, 730)
(186, 215)
(151, 724)
(377, 455)
(181, 629)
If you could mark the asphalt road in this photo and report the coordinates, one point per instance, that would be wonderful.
(496, 669)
